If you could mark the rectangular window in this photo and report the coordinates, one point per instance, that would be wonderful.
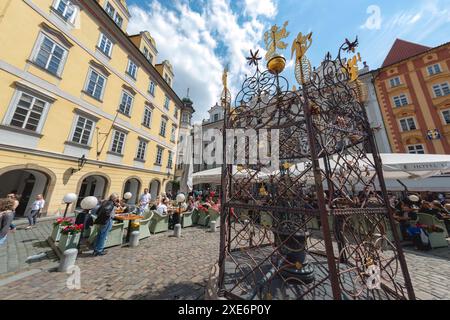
(216, 117)
(118, 20)
(96, 84)
(446, 115)
(151, 88)
(175, 114)
(66, 9)
(142, 148)
(147, 117)
(162, 130)
(400, 100)
(170, 160)
(132, 69)
(434, 69)
(118, 142)
(28, 112)
(159, 155)
(173, 134)
(416, 149)
(185, 118)
(167, 103)
(105, 45)
(395, 82)
(83, 130)
(110, 10)
(408, 124)
(126, 103)
(50, 55)
(441, 90)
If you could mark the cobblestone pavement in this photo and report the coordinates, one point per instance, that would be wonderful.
(23, 244)
(162, 267)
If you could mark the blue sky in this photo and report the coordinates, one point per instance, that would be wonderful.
(200, 37)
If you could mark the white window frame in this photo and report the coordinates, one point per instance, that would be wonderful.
(400, 98)
(167, 103)
(108, 38)
(443, 116)
(88, 79)
(112, 7)
(165, 122)
(141, 155)
(123, 143)
(433, 69)
(74, 127)
(13, 106)
(122, 96)
(70, 19)
(173, 134)
(395, 82)
(150, 110)
(130, 63)
(441, 90)
(159, 155)
(415, 151)
(116, 16)
(170, 160)
(150, 86)
(37, 48)
(408, 125)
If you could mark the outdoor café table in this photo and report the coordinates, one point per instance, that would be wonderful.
(128, 217)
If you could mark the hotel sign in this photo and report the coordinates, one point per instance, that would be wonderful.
(426, 166)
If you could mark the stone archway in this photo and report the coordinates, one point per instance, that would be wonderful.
(28, 181)
(133, 185)
(93, 184)
(155, 188)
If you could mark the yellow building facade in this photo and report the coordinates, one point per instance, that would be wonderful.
(84, 107)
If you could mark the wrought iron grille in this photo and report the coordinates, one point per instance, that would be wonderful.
(320, 225)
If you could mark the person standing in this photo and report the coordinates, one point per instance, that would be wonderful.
(105, 215)
(144, 201)
(13, 196)
(6, 217)
(36, 208)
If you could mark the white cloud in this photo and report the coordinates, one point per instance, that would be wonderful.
(200, 44)
(255, 8)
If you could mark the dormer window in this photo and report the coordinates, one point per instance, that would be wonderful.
(168, 80)
(148, 55)
(66, 9)
(113, 14)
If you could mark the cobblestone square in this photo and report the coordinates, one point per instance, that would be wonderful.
(162, 267)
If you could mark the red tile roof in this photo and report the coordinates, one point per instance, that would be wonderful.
(402, 50)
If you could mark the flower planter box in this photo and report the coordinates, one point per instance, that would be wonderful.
(56, 233)
(68, 241)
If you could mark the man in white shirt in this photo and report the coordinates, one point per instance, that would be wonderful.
(36, 207)
(144, 201)
(162, 207)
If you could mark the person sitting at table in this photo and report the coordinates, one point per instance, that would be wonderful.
(428, 208)
(122, 206)
(404, 216)
(208, 202)
(190, 204)
(162, 208)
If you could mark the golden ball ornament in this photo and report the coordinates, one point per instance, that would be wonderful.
(276, 65)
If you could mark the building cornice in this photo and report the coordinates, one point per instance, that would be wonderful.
(64, 157)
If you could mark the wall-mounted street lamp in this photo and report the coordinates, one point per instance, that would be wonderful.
(68, 200)
(81, 163)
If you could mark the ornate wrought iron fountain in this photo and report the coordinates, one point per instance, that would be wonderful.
(318, 226)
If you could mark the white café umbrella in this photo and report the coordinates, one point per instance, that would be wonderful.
(214, 176)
